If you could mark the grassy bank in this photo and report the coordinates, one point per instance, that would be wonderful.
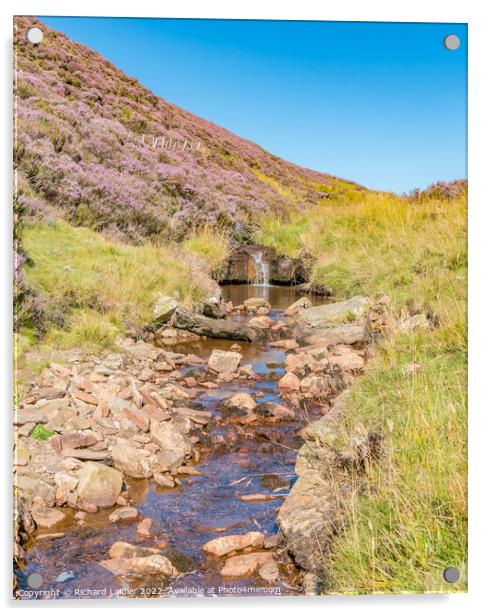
(411, 521)
(89, 289)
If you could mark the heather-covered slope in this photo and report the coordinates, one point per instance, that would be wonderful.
(100, 147)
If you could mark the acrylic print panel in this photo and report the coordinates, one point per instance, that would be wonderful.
(240, 308)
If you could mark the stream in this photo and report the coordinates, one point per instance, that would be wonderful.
(236, 460)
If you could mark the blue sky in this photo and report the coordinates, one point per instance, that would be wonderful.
(382, 104)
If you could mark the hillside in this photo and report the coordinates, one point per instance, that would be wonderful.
(100, 148)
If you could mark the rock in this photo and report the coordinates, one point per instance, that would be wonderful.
(288, 344)
(241, 402)
(142, 350)
(65, 484)
(348, 361)
(85, 454)
(275, 411)
(213, 328)
(234, 543)
(224, 361)
(254, 303)
(309, 516)
(122, 549)
(316, 385)
(99, 484)
(21, 453)
(156, 412)
(269, 571)
(144, 528)
(85, 397)
(340, 312)
(298, 363)
(156, 564)
(169, 459)
(29, 415)
(47, 517)
(165, 481)
(138, 416)
(262, 322)
(415, 323)
(245, 564)
(131, 461)
(124, 513)
(307, 519)
(289, 382)
(259, 498)
(346, 333)
(299, 304)
(199, 417)
(213, 305)
(167, 436)
(74, 440)
(163, 309)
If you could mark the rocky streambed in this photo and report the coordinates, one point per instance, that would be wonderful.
(170, 466)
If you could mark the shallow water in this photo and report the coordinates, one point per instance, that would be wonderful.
(235, 461)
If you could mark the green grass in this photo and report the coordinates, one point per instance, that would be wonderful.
(410, 521)
(211, 245)
(92, 289)
(41, 433)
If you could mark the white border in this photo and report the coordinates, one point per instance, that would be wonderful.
(346, 10)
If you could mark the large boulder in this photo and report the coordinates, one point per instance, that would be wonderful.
(163, 308)
(344, 333)
(213, 328)
(339, 312)
(99, 484)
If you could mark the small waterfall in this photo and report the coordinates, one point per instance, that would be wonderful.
(262, 270)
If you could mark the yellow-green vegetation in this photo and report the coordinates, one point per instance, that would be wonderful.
(91, 288)
(211, 245)
(410, 520)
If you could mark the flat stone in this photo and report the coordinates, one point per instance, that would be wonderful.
(138, 416)
(156, 564)
(261, 322)
(234, 543)
(124, 514)
(122, 549)
(85, 397)
(29, 415)
(47, 517)
(85, 454)
(339, 312)
(75, 440)
(259, 498)
(245, 564)
(224, 361)
(199, 417)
